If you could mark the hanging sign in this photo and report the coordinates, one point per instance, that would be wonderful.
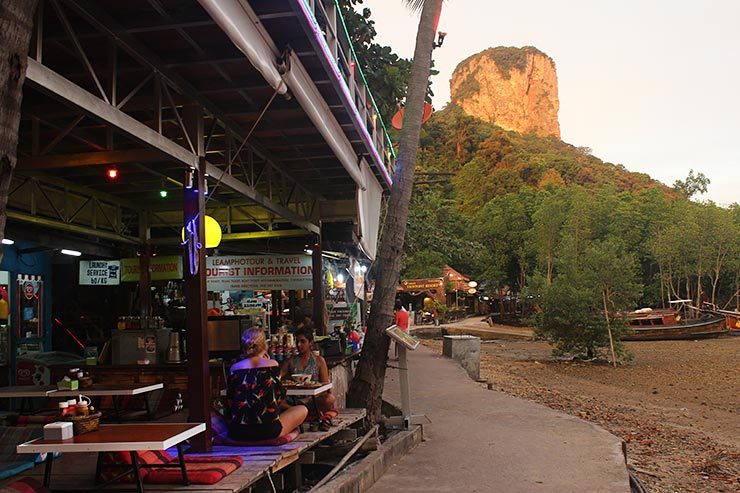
(164, 268)
(100, 272)
(259, 272)
(421, 284)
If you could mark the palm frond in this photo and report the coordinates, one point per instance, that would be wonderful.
(414, 5)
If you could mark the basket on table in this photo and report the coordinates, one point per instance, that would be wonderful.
(84, 424)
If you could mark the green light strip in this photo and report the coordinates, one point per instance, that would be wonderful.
(367, 86)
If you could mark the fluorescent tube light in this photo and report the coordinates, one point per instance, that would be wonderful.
(6, 241)
(73, 253)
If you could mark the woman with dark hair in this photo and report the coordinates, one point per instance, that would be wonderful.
(308, 363)
(256, 396)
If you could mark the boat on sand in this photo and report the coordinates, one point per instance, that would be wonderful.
(648, 324)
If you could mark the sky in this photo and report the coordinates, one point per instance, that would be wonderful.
(653, 85)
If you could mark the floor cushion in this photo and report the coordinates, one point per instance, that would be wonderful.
(25, 485)
(201, 470)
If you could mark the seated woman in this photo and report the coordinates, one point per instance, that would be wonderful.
(256, 396)
(306, 363)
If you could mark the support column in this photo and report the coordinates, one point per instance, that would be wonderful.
(199, 385)
(319, 304)
(199, 379)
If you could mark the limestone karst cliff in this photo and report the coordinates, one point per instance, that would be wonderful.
(514, 88)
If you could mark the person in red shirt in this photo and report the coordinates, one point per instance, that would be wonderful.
(402, 316)
(402, 320)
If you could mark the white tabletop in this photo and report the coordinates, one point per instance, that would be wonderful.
(27, 391)
(100, 390)
(110, 438)
(297, 391)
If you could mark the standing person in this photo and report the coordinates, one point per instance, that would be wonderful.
(402, 321)
(402, 316)
(256, 396)
(307, 363)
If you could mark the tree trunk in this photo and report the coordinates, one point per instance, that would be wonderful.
(367, 386)
(609, 328)
(16, 23)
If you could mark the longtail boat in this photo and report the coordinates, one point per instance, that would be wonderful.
(649, 324)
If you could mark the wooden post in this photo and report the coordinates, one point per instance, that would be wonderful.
(197, 337)
(199, 379)
(145, 278)
(319, 304)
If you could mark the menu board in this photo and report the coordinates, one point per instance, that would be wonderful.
(402, 337)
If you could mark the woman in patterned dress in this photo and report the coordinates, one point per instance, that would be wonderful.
(256, 398)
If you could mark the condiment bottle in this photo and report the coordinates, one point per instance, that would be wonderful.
(82, 407)
(63, 408)
(72, 409)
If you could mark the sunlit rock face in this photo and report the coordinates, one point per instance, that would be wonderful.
(514, 88)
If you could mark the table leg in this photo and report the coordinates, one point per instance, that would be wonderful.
(47, 468)
(183, 468)
(149, 413)
(116, 408)
(98, 467)
(137, 475)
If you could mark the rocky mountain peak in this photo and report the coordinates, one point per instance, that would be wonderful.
(514, 88)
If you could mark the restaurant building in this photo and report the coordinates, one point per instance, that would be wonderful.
(150, 130)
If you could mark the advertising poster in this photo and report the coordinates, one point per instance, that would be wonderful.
(100, 272)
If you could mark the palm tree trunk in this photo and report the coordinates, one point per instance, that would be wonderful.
(16, 22)
(367, 386)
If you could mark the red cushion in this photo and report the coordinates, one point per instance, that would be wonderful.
(25, 485)
(124, 458)
(201, 470)
(230, 442)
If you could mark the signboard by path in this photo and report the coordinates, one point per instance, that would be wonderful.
(402, 337)
(259, 272)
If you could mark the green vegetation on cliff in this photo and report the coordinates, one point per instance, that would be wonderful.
(552, 221)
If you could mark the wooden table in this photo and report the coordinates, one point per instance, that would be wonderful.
(304, 391)
(120, 438)
(26, 393)
(117, 392)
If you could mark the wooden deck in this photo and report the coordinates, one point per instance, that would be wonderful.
(75, 471)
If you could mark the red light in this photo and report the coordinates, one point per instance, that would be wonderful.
(112, 173)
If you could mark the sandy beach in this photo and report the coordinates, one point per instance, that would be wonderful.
(676, 404)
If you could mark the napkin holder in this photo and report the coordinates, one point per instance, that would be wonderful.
(58, 430)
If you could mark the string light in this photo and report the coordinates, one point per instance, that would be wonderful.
(112, 173)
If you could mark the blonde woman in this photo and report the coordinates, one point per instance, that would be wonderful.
(256, 396)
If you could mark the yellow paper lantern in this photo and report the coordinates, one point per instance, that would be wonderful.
(213, 232)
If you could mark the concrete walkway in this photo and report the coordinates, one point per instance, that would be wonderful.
(485, 441)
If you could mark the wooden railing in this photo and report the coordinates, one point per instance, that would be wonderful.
(327, 17)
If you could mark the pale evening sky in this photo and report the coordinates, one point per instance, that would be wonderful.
(649, 84)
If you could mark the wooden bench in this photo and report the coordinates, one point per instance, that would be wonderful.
(259, 462)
